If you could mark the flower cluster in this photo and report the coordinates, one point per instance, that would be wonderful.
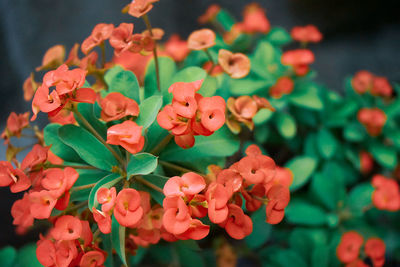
(348, 251)
(373, 120)
(365, 81)
(283, 86)
(306, 34)
(299, 59)
(386, 195)
(67, 87)
(191, 114)
(243, 109)
(69, 243)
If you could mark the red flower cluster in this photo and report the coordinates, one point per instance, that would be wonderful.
(254, 20)
(128, 135)
(243, 109)
(15, 124)
(348, 250)
(100, 33)
(191, 114)
(373, 120)
(386, 195)
(69, 243)
(254, 178)
(177, 48)
(138, 8)
(299, 59)
(366, 162)
(306, 34)
(116, 106)
(365, 81)
(67, 85)
(283, 86)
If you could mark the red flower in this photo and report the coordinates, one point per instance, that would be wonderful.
(42, 203)
(34, 158)
(29, 87)
(349, 247)
(306, 34)
(255, 20)
(217, 198)
(122, 38)
(201, 39)
(196, 231)
(128, 211)
(116, 106)
(107, 198)
(366, 162)
(238, 225)
(67, 227)
(373, 120)
(53, 57)
(210, 14)
(128, 135)
(20, 211)
(375, 250)
(103, 220)
(176, 219)
(278, 198)
(212, 112)
(235, 65)
(177, 48)
(283, 86)
(92, 258)
(56, 253)
(17, 122)
(299, 59)
(138, 8)
(16, 179)
(386, 195)
(381, 87)
(362, 81)
(257, 168)
(189, 184)
(100, 33)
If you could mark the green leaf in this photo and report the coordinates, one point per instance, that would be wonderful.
(262, 116)
(248, 86)
(8, 255)
(302, 168)
(327, 143)
(209, 86)
(167, 70)
(27, 257)
(288, 258)
(107, 247)
(51, 137)
(189, 74)
(261, 230)
(87, 110)
(286, 125)
(225, 20)
(220, 144)
(155, 134)
(301, 212)
(118, 239)
(148, 111)
(107, 182)
(86, 177)
(87, 147)
(327, 190)
(278, 36)
(122, 81)
(384, 155)
(307, 96)
(354, 132)
(141, 164)
(360, 197)
(187, 256)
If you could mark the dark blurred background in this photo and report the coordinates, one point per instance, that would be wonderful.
(357, 35)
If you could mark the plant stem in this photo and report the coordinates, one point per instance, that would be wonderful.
(103, 54)
(148, 184)
(76, 207)
(177, 167)
(156, 150)
(82, 187)
(98, 136)
(148, 25)
(211, 59)
(72, 166)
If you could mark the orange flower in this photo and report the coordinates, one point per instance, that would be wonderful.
(235, 65)
(53, 58)
(238, 225)
(101, 32)
(306, 34)
(128, 135)
(210, 14)
(138, 8)
(255, 20)
(362, 81)
(278, 198)
(381, 87)
(373, 120)
(116, 106)
(201, 39)
(375, 249)
(349, 248)
(128, 211)
(386, 195)
(156, 33)
(177, 48)
(29, 87)
(92, 258)
(283, 86)
(299, 59)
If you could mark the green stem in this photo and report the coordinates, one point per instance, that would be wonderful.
(75, 207)
(211, 59)
(98, 136)
(148, 184)
(156, 150)
(72, 166)
(177, 167)
(82, 187)
(150, 29)
(103, 54)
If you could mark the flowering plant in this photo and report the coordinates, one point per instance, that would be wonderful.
(167, 144)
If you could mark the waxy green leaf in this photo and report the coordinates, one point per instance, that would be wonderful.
(118, 235)
(302, 168)
(149, 109)
(122, 81)
(141, 164)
